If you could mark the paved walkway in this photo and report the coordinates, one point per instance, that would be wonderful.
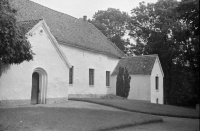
(169, 124)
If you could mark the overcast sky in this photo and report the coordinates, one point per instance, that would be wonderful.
(79, 8)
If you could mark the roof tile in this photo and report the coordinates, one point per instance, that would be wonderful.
(27, 25)
(65, 28)
(137, 64)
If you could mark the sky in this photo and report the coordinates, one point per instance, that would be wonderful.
(79, 8)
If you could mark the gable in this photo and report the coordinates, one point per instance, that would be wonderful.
(26, 26)
(29, 28)
(157, 67)
(137, 64)
(67, 29)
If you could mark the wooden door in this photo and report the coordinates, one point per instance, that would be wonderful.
(35, 88)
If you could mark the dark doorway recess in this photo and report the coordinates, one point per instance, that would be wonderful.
(35, 88)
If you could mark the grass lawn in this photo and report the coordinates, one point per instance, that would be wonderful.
(66, 119)
(144, 107)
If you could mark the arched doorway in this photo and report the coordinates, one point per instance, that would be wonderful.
(35, 88)
(39, 86)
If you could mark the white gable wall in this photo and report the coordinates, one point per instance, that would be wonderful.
(16, 80)
(82, 60)
(139, 87)
(113, 80)
(156, 94)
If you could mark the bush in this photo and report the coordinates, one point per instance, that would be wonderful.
(123, 83)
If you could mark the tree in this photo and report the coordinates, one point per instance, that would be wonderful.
(123, 83)
(14, 47)
(127, 80)
(163, 28)
(113, 24)
(119, 82)
(189, 14)
(151, 25)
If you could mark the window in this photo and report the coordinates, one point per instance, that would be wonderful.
(157, 82)
(107, 78)
(91, 76)
(71, 71)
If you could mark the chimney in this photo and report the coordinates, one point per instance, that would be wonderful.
(84, 18)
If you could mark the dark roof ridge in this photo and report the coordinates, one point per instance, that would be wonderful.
(85, 48)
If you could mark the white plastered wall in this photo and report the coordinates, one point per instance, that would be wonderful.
(139, 87)
(156, 94)
(82, 60)
(16, 80)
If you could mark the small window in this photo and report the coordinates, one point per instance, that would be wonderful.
(71, 71)
(91, 76)
(107, 78)
(157, 82)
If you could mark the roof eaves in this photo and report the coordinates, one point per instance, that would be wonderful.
(121, 52)
(137, 73)
(113, 72)
(88, 49)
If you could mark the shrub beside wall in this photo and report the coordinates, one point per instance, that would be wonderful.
(123, 83)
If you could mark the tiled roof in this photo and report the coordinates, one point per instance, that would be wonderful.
(137, 64)
(67, 29)
(27, 25)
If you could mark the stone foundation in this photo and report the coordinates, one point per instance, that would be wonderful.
(28, 101)
(85, 95)
(14, 102)
(56, 100)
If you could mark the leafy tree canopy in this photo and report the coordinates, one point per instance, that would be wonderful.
(113, 24)
(169, 28)
(189, 12)
(14, 48)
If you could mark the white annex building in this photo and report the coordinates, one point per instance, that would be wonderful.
(72, 59)
(146, 77)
